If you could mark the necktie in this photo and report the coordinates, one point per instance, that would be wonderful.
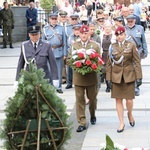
(35, 46)
(84, 45)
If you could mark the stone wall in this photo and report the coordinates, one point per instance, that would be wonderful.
(20, 30)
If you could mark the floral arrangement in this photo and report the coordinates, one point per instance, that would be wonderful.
(86, 61)
(110, 145)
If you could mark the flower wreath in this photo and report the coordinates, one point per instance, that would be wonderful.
(86, 61)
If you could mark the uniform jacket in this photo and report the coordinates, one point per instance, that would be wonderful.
(129, 68)
(138, 33)
(31, 14)
(90, 78)
(43, 56)
(6, 17)
(55, 36)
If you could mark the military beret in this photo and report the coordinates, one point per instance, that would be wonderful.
(77, 26)
(63, 13)
(130, 17)
(119, 30)
(74, 16)
(84, 28)
(53, 15)
(118, 19)
(33, 29)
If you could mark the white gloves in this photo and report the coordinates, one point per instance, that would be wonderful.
(56, 83)
(15, 86)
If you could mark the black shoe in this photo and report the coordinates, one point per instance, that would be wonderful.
(4, 46)
(93, 120)
(59, 91)
(137, 93)
(11, 46)
(132, 124)
(121, 130)
(81, 128)
(107, 90)
(68, 86)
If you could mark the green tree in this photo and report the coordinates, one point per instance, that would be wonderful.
(47, 4)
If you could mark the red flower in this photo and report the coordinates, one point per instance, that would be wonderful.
(92, 56)
(88, 62)
(100, 61)
(94, 66)
(78, 64)
(80, 55)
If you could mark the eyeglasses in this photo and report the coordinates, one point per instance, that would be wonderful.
(74, 19)
(54, 18)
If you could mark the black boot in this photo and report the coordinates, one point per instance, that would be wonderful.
(11, 45)
(108, 87)
(4, 46)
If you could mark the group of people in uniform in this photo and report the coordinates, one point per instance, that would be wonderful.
(121, 47)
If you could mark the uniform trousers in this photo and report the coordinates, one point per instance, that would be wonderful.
(59, 62)
(80, 102)
(7, 30)
(69, 75)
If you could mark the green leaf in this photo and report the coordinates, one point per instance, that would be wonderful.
(109, 143)
(45, 107)
(44, 114)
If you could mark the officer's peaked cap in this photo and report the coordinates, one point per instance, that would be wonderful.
(74, 16)
(33, 29)
(53, 15)
(130, 17)
(63, 13)
(77, 26)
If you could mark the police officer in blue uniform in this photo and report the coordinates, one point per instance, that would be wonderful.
(55, 35)
(135, 33)
(74, 37)
(74, 20)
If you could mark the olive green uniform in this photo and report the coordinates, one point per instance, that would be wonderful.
(7, 21)
(86, 82)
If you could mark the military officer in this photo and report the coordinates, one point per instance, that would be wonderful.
(55, 35)
(86, 82)
(7, 21)
(40, 53)
(123, 68)
(135, 33)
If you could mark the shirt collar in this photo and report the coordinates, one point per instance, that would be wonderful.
(34, 43)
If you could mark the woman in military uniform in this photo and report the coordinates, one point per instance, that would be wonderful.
(123, 68)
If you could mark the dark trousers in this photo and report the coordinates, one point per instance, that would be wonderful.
(69, 75)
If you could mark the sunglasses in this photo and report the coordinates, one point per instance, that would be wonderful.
(74, 19)
(54, 18)
(130, 21)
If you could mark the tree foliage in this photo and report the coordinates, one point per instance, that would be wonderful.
(47, 4)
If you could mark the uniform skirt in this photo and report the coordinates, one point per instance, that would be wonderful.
(123, 90)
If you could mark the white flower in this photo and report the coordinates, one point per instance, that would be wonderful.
(90, 51)
(74, 57)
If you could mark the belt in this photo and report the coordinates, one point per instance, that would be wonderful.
(57, 46)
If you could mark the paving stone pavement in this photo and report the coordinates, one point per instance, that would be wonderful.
(107, 120)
